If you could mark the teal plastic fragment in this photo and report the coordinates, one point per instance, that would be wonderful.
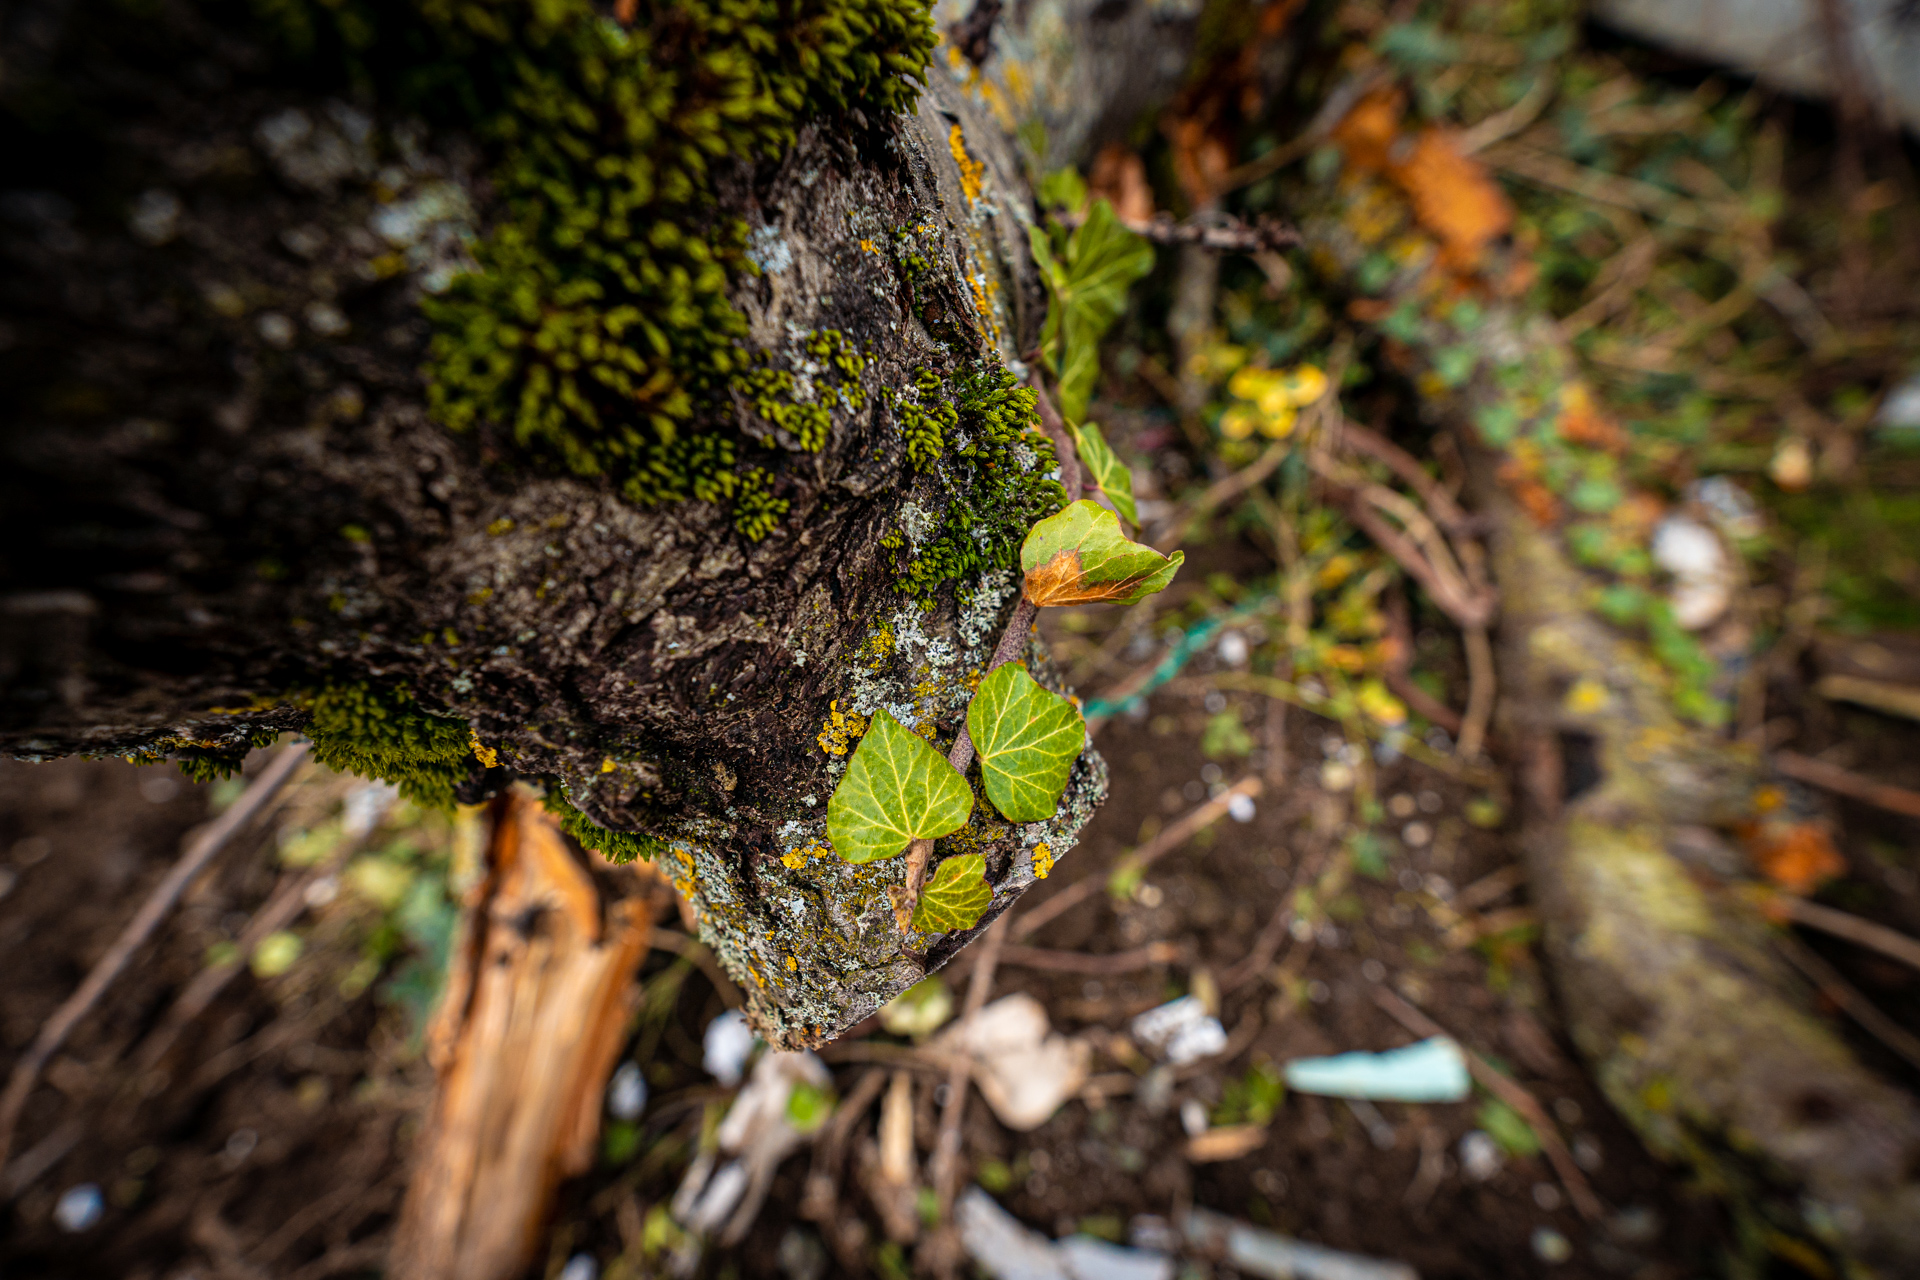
(1431, 1071)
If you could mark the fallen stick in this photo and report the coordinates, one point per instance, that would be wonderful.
(1514, 1095)
(1851, 1002)
(1189, 824)
(945, 1165)
(1875, 937)
(199, 852)
(1845, 782)
(1116, 962)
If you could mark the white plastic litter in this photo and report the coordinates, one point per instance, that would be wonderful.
(1254, 1252)
(1089, 1259)
(1008, 1250)
(1900, 411)
(728, 1041)
(1240, 807)
(759, 1134)
(1024, 1070)
(1702, 573)
(627, 1092)
(1433, 1070)
(1480, 1156)
(1181, 1031)
(1233, 649)
(79, 1208)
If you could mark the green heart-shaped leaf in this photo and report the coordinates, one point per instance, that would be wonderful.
(1080, 557)
(956, 896)
(1027, 739)
(1107, 470)
(897, 790)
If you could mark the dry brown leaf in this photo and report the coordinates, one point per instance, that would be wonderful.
(1120, 177)
(1228, 1142)
(1799, 857)
(1454, 197)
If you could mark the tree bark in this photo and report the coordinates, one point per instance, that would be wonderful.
(222, 487)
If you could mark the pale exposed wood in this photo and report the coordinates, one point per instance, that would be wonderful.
(537, 1002)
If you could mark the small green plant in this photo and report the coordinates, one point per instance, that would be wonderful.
(1027, 740)
(956, 896)
(899, 792)
(1087, 273)
(896, 790)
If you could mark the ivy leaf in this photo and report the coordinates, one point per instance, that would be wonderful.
(1107, 470)
(1087, 286)
(1027, 739)
(1079, 556)
(956, 897)
(897, 790)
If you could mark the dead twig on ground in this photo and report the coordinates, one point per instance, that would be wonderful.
(199, 852)
(1170, 838)
(1267, 945)
(944, 1169)
(1512, 1093)
(1875, 937)
(1845, 782)
(1412, 748)
(1849, 1000)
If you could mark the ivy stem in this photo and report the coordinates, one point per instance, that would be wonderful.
(1013, 643)
(1056, 428)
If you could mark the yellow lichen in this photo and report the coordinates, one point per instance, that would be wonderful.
(607, 765)
(793, 965)
(840, 730)
(1042, 861)
(484, 754)
(971, 170)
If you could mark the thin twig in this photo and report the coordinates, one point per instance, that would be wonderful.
(1220, 491)
(1187, 826)
(1338, 103)
(192, 862)
(1515, 1095)
(1844, 782)
(1851, 1002)
(1480, 693)
(945, 1167)
(1267, 945)
(1875, 937)
(1211, 230)
(1409, 746)
(1151, 956)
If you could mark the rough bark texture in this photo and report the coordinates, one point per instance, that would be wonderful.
(216, 495)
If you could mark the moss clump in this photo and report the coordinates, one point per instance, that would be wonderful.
(772, 392)
(383, 734)
(598, 322)
(995, 473)
(597, 327)
(618, 847)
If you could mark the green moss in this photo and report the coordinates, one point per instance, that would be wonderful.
(772, 392)
(993, 470)
(383, 734)
(597, 328)
(616, 846)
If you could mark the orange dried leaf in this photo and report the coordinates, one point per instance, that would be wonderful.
(1798, 857)
(1454, 197)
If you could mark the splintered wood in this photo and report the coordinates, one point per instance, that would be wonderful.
(537, 1004)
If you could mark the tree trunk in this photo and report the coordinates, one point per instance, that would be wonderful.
(229, 513)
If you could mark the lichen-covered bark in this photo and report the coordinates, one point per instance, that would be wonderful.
(222, 487)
